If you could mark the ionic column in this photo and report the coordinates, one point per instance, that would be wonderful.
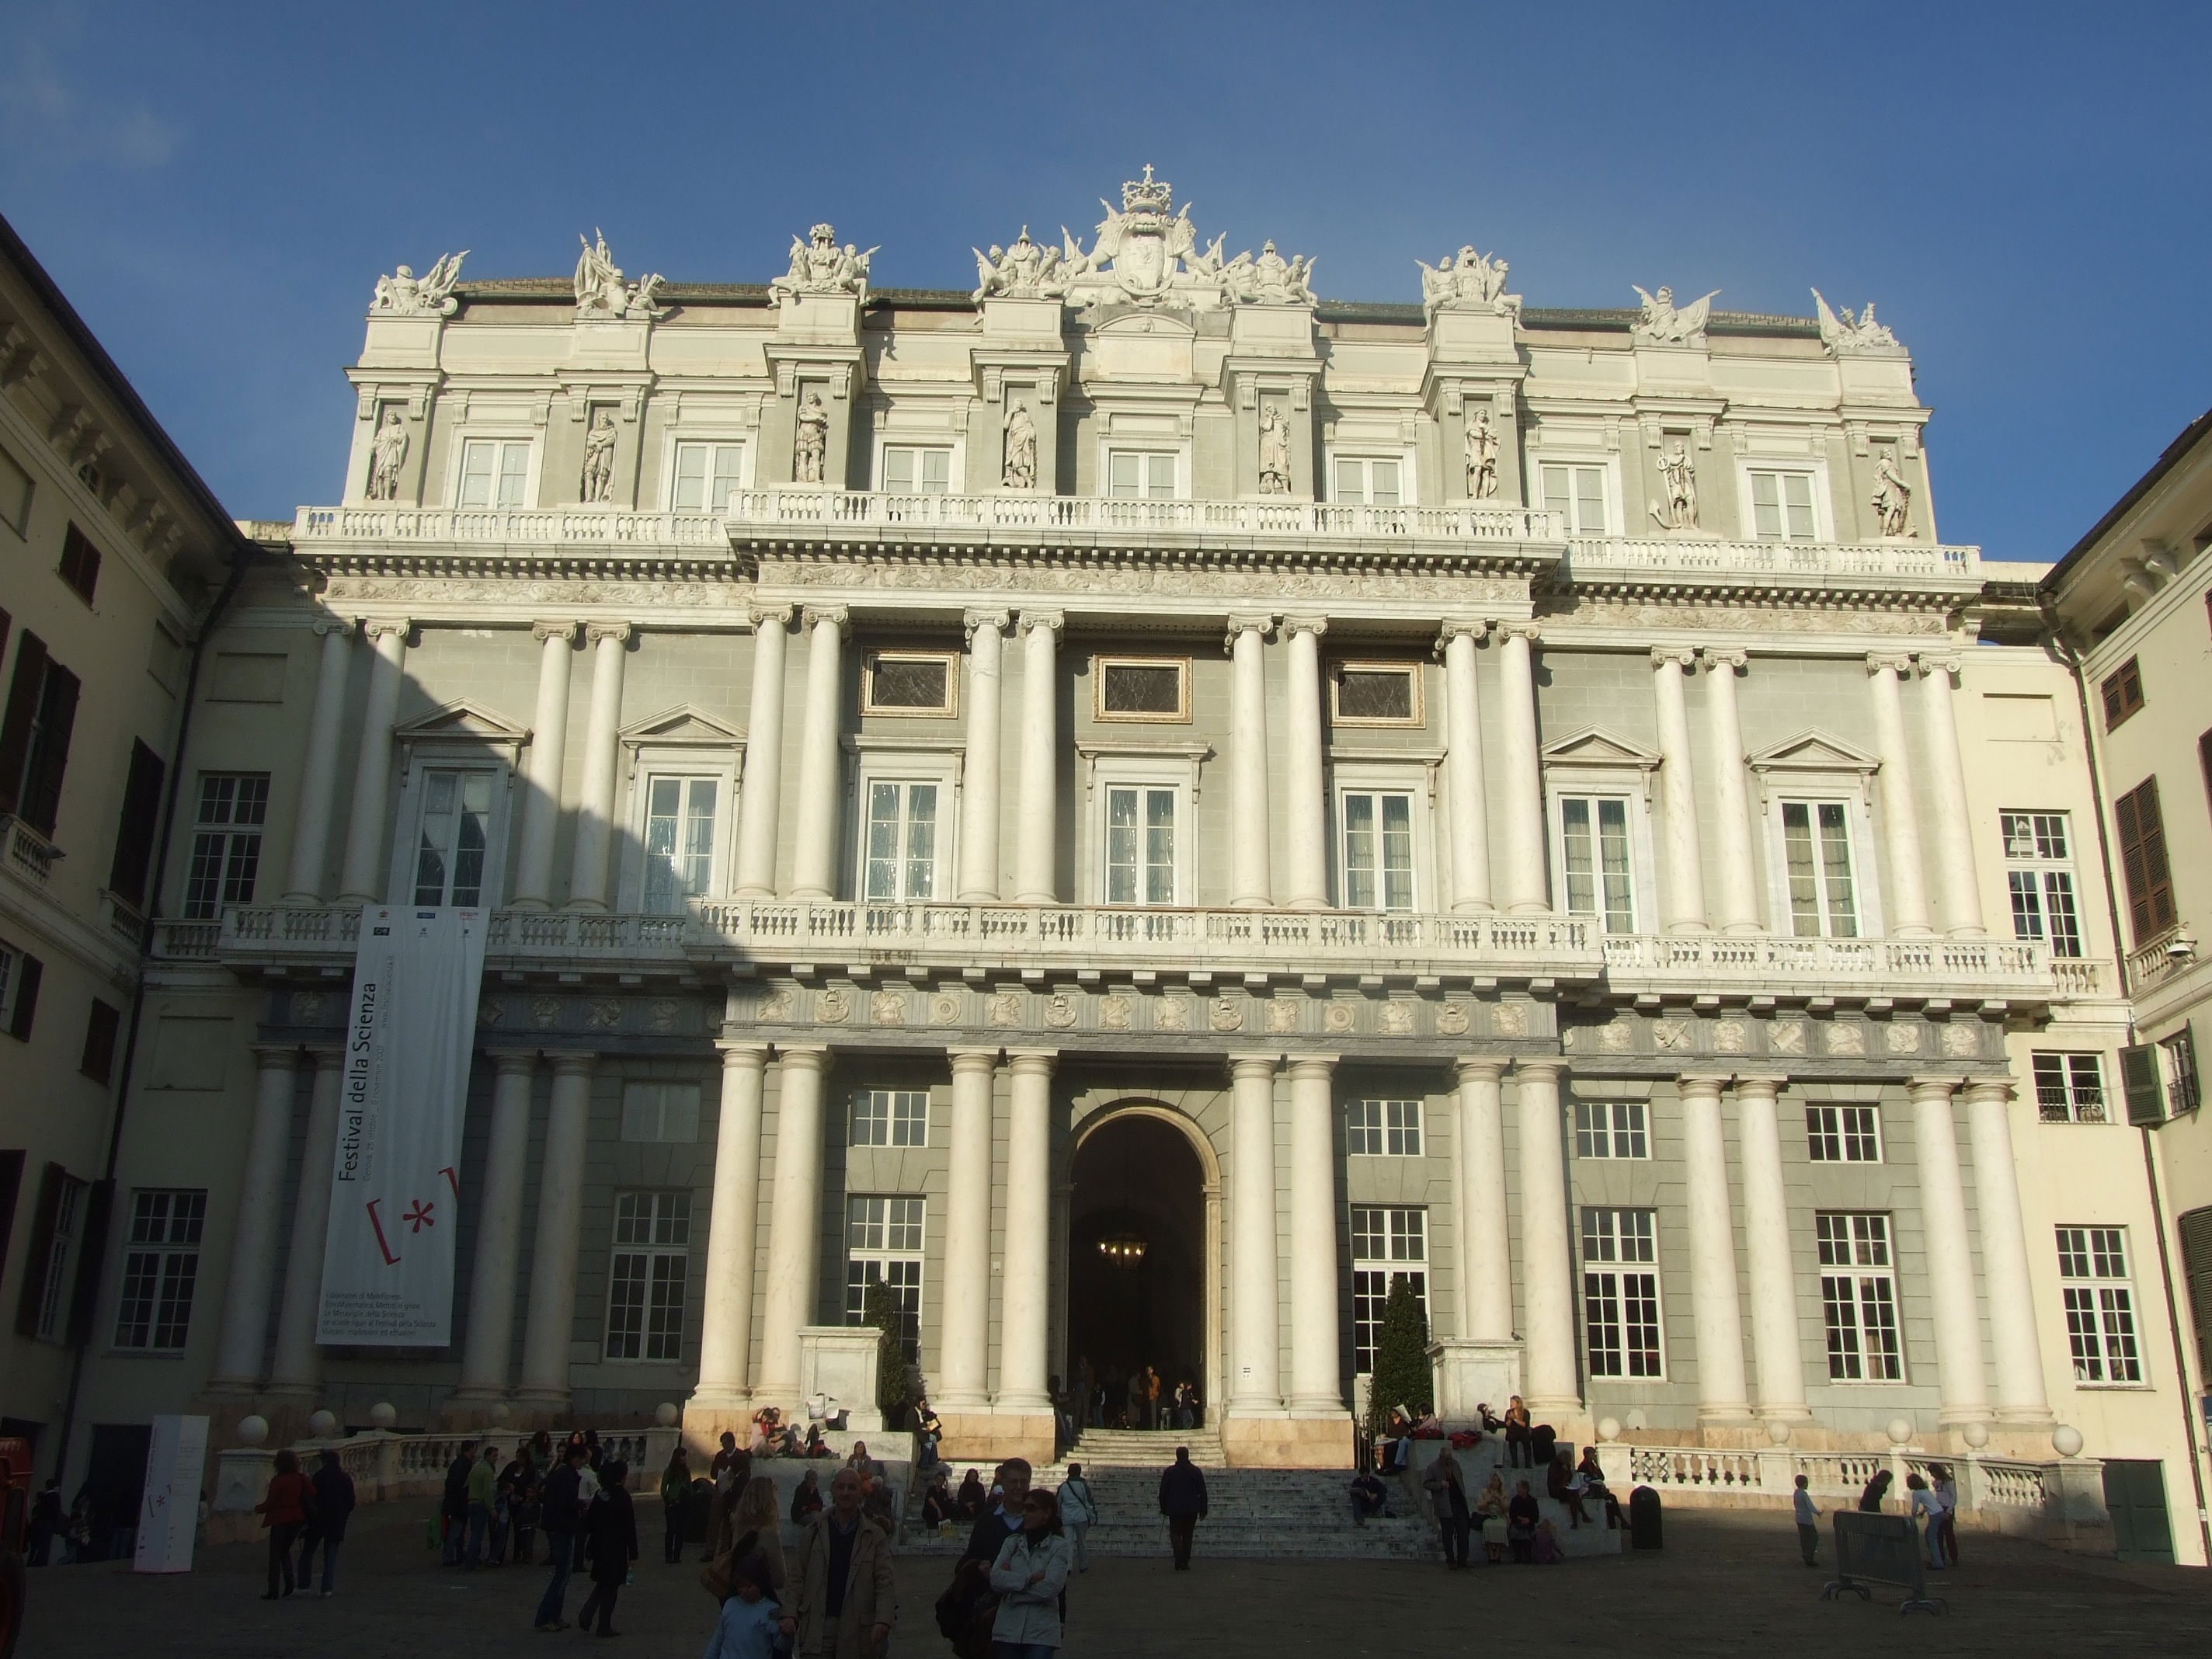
(489, 1341)
(794, 1221)
(318, 778)
(1025, 1303)
(1683, 899)
(1774, 1340)
(595, 808)
(1036, 832)
(1316, 1387)
(725, 1325)
(1739, 911)
(541, 776)
(1255, 1331)
(298, 1370)
(1954, 824)
(2020, 1397)
(1524, 884)
(550, 1330)
(1722, 1396)
(1961, 1388)
(1305, 846)
(962, 1370)
(1250, 882)
(979, 772)
(1485, 1230)
(1464, 789)
(361, 881)
(1900, 818)
(1547, 1268)
(821, 762)
(253, 1239)
(760, 802)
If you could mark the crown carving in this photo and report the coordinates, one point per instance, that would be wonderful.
(1147, 195)
(824, 233)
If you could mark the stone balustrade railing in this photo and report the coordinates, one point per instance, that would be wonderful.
(1600, 560)
(382, 528)
(2153, 962)
(1798, 965)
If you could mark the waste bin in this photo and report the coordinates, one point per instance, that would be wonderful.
(1645, 1531)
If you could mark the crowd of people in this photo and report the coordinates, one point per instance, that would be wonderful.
(1139, 1398)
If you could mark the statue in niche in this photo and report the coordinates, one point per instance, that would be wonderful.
(1481, 456)
(1274, 452)
(599, 480)
(388, 452)
(1844, 334)
(1024, 271)
(601, 293)
(1020, 471)
(1465, 280)
(811, 455)
(1893, 495)
(1678, 477)
(403, 294)
(818, 265)
(1665, 323)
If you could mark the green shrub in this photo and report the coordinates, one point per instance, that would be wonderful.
(1401, 1376)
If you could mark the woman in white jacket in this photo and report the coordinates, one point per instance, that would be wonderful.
(1079, 1512)
(1030, 1574)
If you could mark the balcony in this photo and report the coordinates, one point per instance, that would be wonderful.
(29, 857)
(2169, 955)
(380, 529)
(1852, 567)
(1844, 969)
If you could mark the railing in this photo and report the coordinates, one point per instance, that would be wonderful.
(1617, 557)
(1797, 963)
(2153, 964)
(2078, 978)
(563, 526)
(30, 855)
(1985, 1483)
(1684, 1466)
(187, 941)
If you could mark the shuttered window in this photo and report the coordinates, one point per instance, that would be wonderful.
(2122, 693)
(2143, 862)
(79, 565)
(35, 736)
(134, 832)
(2195, 1228)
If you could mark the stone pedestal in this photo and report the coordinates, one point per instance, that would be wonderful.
(837, 1364)
(1471, 1373)
(242, 1475)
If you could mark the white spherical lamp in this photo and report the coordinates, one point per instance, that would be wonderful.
(2066, 1440)
(1608, 1428)
(1900, 1431)
(384, 1415)
(253, 1431)
(667, 1415)
(1976, 1435)
(324, 1425)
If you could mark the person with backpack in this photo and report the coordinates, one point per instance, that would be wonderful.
(1079, 1513)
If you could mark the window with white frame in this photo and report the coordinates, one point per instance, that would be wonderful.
(453, 837)
(705, 475)
(917, 469)
(160, 1269)
(1620, 1293)
(1144, 475)
(883, 1246)
(2100, 1315)
(1843, 1134)
(1782, 507)
(226, 842)
(1377, 847)
(1611, 1128)
(1371, 482)
(2040, 870)
(890, 1117)
(1142, 866)
(666, 1112)
(645, 1286)
(909, 683)
(2070, 1088)
(494, 472)
(1816, 851)
(1383, 1129)
(1858, 1298)
(680, 816)
(1596, 861)
(899, 840)
(1577, 493)
(1389, 1243)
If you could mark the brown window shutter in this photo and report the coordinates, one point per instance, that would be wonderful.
(28, 972)
(2143, 866)
(11, 1190)
(42, 1250)
(91, 1258)
(100, 1027)
(42, 778)
(134, 833)
(2195, 1229)
(79, 565)
(23, 694)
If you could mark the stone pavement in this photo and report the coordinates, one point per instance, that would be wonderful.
(1726, 1583)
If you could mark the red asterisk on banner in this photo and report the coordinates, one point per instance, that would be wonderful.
(420, 1217)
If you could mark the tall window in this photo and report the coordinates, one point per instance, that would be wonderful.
(679, 842)
(494, 472)
(2070, 1088)
(1858, 1298)
(2039, 869)
(901, 842)
(2143, 866)
(1816, 846)
(1577, 494)
(1595, 857)
(47, 1284)
(645, 1289)
(1620, 1292)
(1372, 482)
(890, 1117)
(1140, 845)
(2122, 693)
(1138, 474)
(883, 1246)
(1388, 1242)
(226, 842)
(1378, 850)
(909, 470)
(1610, 1128)
(160, 1269)
(454, 837)
(2100, 1315)
(1782, 507)
(1843, 1134)
(80, 564)
(2183, 1092)
(705, 474)
(1383, 1129)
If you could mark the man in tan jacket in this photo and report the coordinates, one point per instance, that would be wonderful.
(848, 1604)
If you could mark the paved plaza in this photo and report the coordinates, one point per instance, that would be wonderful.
(1725, 1584)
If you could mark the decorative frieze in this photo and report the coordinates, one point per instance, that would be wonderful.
(1815, 1039)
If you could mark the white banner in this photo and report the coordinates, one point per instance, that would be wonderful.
(395, 1182)
(169, 1512)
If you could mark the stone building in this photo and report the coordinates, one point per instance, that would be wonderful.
(1135, 806)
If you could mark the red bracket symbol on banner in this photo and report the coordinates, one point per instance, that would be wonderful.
(390, 1260)
(452, 1179)
(420, 1217)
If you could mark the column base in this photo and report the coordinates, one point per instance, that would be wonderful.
(293, 1392)
(1325, 1408)
(1554, 1406)
(707, 1416)
(1729, 1414)
(232, 1388)
(1957, 1417)
(1259, 1441)
(1794, 1411)
(2024, 1417)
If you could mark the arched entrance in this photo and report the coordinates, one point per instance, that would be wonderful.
(1140, 1244)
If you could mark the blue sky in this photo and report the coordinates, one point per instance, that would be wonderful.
(2023, 188)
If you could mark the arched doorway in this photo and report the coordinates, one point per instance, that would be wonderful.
(1139, 1248)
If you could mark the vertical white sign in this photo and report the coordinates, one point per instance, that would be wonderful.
(395, 1180)
(169, 1512)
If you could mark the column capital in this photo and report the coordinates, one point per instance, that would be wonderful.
(564, 631)
(1933, 1088)
(1893, 662)
(572, 1064)
(1759, 1085)
(1933, 663)
(1520, 630)
(1262, 622)
(971, 620)
(1032, 1060)
(1316, 626)
(1052, 621)
(1675, 656)
(815, 615)
(1307, 1065)
(1479, 1068)
(807, 1056)
(1473, 628)
(762, 615)
(973, 1060)
(1702, 1084)
(325, 1054)
(1541, 1067)
(339, 625)
(743, 1056)
(600, 632)
(1242, 1065)
(509, 1061)
(1998, 1089)
(1712, 661)
(277, 1056)
(378, 627)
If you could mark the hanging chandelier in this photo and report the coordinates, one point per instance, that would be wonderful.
(1122, 1249)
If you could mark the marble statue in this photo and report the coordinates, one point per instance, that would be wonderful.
(1664, 323)
(1024, 271)
(1842, 333)
(599, 480)
(1481, 456)
(818, 265)
(811, 456)
(1146, 254)
(1465, 280)
(601, 293)
(1893, 495)
(1020, 470)
(403, 294)
(388, 452)
(1678, 475)
(1274, 452)
(1268, 280)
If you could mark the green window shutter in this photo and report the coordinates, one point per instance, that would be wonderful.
(2139, 1079)
(2195, 1230)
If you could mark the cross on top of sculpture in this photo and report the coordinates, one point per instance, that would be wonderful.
(1143, 257)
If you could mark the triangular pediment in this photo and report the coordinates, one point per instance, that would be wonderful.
(1813, 751)
(463, 722)
(682, 723)
(1595, 746)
